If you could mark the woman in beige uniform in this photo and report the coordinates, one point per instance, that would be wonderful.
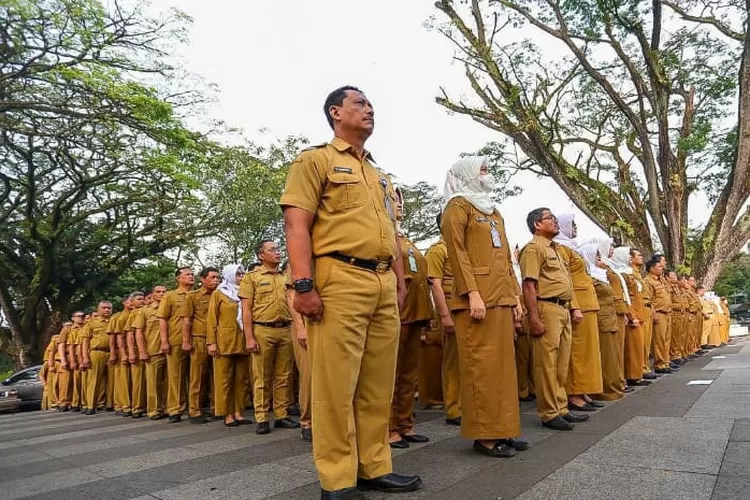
(484, 306)
(227, 344)
(634, 330)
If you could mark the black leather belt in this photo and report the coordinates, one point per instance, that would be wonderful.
(377, 266)
(276, 324)
(554, 300)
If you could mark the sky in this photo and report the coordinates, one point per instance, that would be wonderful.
(274, 62)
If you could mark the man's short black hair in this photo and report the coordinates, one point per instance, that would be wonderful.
(633, 251)
(259, 247)
(336, 98)
(210, 269)
(179, 270)
(534, 217)
(652, 262)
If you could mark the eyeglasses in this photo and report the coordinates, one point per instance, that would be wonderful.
(549, 217)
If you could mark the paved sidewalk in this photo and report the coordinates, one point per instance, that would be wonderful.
(666, 441)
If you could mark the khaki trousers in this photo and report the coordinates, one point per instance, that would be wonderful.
(177, 367)
(407, 378)
(138, 386)
(63, 384)
(585, 368)
(230, 384)
(634, 352)
(648, 335)
(199, 377)
(430, 369)
(75, 400)
(302, 360)
(52, 392)
(451, 377)
(156, 388)
(272, 369)
(353, 352)
(122, 387)
(551, 360)
(524, 364)
(661, 340)
(676, 335)
(96, 379)
(110, 393)
(487, 364)
(612, 385)
(714, 338)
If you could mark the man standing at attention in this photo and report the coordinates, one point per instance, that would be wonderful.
(95, 354)
(339, 214)
(170, 327)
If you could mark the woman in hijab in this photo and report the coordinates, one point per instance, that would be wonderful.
(484, 309)
(585, 369)
(634, 330)
(607, 321)
(226, 343)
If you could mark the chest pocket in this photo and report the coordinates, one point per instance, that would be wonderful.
(552, 260)
(201, 305)
(263, 292)
(346, 189)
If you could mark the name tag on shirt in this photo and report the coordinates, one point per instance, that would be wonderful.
(497, 241)
(345, 170)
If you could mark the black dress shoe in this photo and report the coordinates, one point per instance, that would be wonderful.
(158, 416)
(527, 399)
(628, 390)
(453, 421)
(650, 376)
(518, 444)
(127, 414)
(285, 423)
(416, 438)
(76, 409)
(138, 414)
(345, 494)
(243, 421)
(638, 383)
(89, 412)
(306, 434)
(401, 444)
(174, 419)
(233, 423)
(664, 371)
(198, 420)
(575, 417)
(263, 428)
(501, 450)
(596, 404)
(585, 407)
(390, 483)
(294, 410)
(558, 424)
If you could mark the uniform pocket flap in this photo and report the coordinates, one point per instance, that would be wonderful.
(481, 270)
(343, 177)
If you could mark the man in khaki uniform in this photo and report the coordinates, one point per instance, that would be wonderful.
(95, 351)
(441, 279)
(266, 318)
(339, 213)
(122, 368)
(137, 365)
(662, 308)
(194, 342)
(50, 356)
(302, 360)
(548, 294)
(67, 366)
(148, 338)
(170, 325)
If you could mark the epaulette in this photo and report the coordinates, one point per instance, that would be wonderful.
(315, 146)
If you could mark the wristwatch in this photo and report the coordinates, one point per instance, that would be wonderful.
(303, 285)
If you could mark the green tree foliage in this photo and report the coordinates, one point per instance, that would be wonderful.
(734, 280)
(97, 172)
(624, 104)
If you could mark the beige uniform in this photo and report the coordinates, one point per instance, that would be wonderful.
(146, 323)
(196, 308)
(177, 360)
(661, 304)
(94, 334)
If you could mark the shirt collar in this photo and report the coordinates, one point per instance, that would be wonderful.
(545, 242)
(341, 145)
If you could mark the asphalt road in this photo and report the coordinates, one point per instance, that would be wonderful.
(667, 441)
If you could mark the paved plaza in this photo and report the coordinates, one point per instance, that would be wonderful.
(670, 441)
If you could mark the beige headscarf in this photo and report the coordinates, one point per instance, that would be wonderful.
(463, 180)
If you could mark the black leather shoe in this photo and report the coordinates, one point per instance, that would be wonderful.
(575, 417)
(345, 494)
(174, 419)
(285, 423)
(76, 409)
(416, 438)
(89, 412)
(527, 399)
(198, 420)
(664, 371)
(674, 366)
(390, 483)
(628, 390)
(138, 414)
(585, 407)
(243, 421)
(500, 450)
(638, 383)
(158, 416)
(306, 434)
(453, 421)
(127, 414)
(233, 423)
(596, 404)
(401, 444)
(263, 428)
(294, 410)
(558, 424)
(650, 376)
(518, 444)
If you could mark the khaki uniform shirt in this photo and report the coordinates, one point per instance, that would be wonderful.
(222, 327)
(147, 321)
(353, 202)
(607, 314)
(645, 290)
(540, 261)
(618, 293)
(63, 336)
(265, 290)
(196, 308)
(96, 331)
(660, 296)
(112, 324)
(169, 308)
(418, 304)
(583, 285)
(50, 353)
(438, 266)
(479, 254)
(74, 338)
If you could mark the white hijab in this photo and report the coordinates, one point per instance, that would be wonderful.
(230, 287)
(621, 259)
(463, 180)
(565, 222)
(589, 253)
(604, 243)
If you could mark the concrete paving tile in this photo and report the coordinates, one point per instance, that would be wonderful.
(731, 488)
(587, 481)
(22, 488)
(741, 431)
(667, 443)
(730, 361)
(736, 460)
